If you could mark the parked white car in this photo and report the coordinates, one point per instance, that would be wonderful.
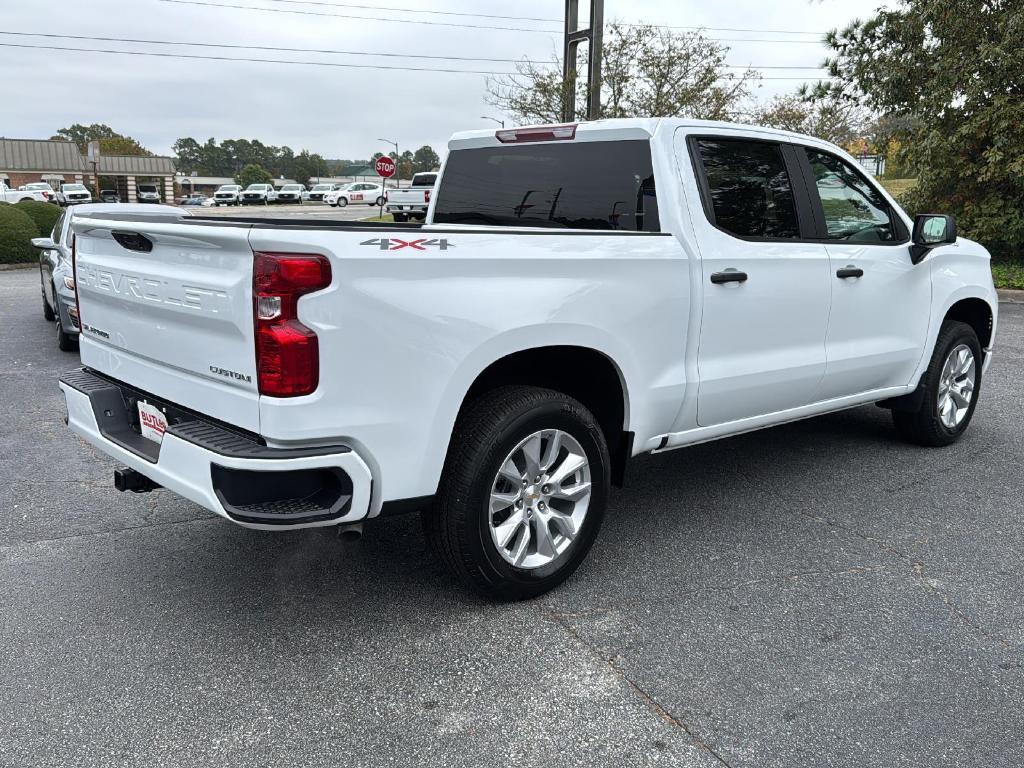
(580, 294)
(9, 195)
(259, 194)
(227, 194)
(75, 194)
(358, 193)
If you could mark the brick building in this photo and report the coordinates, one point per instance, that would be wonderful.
(24, 161)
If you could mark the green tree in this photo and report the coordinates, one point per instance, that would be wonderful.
(837, 120)
(949, 77)
(253, 174)
(425, 159)
(647, 71)
(111, 142)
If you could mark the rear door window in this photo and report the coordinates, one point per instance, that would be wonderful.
(596, 185)
(748, 190)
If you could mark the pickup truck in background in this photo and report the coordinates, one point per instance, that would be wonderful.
(579, 294)
(291, 193)
(411, 202)
(259, 194)
(74, 194)
(227, 194)
(41, 186)
(9, 195)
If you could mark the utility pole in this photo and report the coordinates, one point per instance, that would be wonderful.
(594, 35)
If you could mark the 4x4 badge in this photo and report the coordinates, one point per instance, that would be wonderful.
(397, 244)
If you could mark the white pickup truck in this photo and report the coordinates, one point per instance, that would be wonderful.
(580, 294)
(411, 202)
(9, 195)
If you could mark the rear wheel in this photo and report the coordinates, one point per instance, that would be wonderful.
(950, 389)
(523, 492)
(400, 217)
(379, 201)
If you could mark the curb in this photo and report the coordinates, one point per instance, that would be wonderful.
(1008, 296)
(8, 267)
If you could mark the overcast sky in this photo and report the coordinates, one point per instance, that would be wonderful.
(335, 111)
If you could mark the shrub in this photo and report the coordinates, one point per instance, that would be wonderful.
(16, 232)
(44, 215)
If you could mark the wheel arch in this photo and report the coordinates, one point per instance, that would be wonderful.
(581, 372)
(977, 313)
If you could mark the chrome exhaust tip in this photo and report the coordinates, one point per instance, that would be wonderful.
(350, 531)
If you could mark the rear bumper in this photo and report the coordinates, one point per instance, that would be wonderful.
(226, 472)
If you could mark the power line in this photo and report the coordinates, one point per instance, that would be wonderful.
(233, 6)
(350, 16)
(253, 61)
(253, 47)
(202, 57)
(530, 18)
(237, 46)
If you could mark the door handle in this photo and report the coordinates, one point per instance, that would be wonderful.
(730, 276)
(850, 272)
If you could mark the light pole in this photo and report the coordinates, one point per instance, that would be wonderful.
(398, 164)
(499, 122)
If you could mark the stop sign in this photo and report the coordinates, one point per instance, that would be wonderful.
(385, 167)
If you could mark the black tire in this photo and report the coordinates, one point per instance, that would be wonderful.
(400, 217)
(379, 201)
(457, 524)
(65, 341)
(342, 202)
(924, 426)
(47, 309)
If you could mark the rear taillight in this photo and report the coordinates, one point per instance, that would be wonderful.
(537, 133)
(426, 196)
(287, 352)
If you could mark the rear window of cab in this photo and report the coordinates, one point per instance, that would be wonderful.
(597, 185)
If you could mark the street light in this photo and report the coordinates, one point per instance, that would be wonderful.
(398, 165)
(499, 122)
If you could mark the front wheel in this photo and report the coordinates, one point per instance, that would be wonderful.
(47, 309)
(950, 385)
(65, 341)
(523, 492)
(342, 202)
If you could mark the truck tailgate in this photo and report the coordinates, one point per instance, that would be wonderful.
(167, 307)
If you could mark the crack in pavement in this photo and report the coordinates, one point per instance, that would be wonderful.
(658, 709)
(917, 568)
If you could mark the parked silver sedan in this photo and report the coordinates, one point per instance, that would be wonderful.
(56, 276)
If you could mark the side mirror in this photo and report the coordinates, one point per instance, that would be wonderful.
(931, 230)
(43, 243)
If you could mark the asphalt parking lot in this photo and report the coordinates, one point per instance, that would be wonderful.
(815, 595)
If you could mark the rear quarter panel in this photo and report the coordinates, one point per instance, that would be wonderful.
(403, 333)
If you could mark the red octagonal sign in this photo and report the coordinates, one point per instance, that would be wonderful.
(385, 167)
